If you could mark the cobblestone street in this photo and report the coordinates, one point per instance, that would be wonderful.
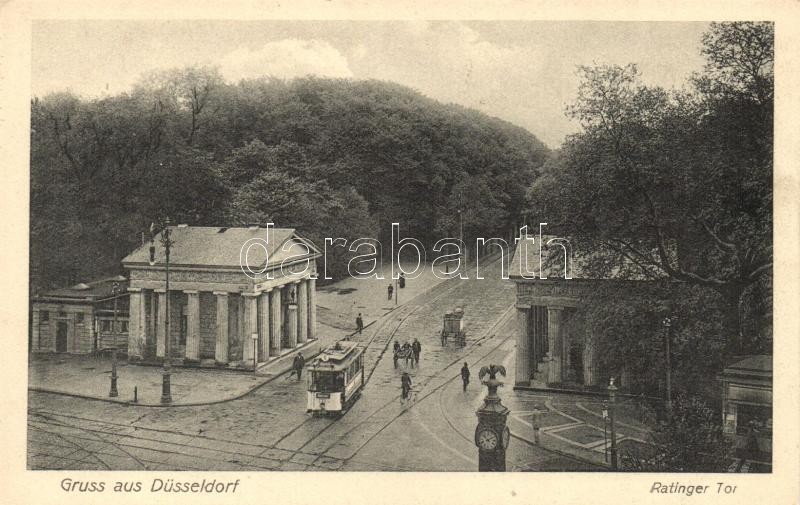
(268, 429)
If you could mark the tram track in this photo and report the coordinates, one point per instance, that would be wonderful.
(380, 340)
(410, 308)
(475, 347)
(449, 421)
(72, 444)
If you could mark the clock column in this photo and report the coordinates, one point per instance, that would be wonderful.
(492, 435)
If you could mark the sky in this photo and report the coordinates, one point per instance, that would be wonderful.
(520, 71)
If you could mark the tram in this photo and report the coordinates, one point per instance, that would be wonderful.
(335, 379)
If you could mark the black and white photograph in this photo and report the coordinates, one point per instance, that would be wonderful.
(400, 245)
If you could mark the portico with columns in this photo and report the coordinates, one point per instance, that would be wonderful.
(220, 313)
(549, 350)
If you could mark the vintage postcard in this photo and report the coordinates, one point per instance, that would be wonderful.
(451, 253)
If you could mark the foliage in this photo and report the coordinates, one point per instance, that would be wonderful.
(332, 158)
(626, 319)
(691, 440)
(674, 184)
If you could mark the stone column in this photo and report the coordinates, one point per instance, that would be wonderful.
(221, 346)
(275, 303)
(263, 337)
(135, 328)
(556, 345)
(291, 321)
(193, 325)
(522, 375)
(312, 309)
(151, 326)
(250, 327)
(161, 318)
(302, 312)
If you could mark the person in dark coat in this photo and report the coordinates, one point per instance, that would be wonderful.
(405, 385)
(408, 352)
(465, 376)
(297, 365)
(359, 323)
(401, 282)
(416, 347)
(390, 290)
(396, 352)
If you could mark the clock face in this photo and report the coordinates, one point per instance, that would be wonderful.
(506, 437)
(487, 439)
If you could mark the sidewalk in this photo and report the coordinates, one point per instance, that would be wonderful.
(338, 304)
(573, 424)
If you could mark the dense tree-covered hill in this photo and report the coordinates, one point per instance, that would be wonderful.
(333, 158)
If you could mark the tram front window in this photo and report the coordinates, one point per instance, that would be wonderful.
(327, 382)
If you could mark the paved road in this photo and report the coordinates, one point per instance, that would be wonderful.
(269, 429)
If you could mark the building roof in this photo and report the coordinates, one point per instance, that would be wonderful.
(759, 365)
(216, 246)
(337, 356)
(549, 253)
(88, 291)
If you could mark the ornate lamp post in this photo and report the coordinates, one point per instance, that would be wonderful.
(492, 436)
(612, 401)
(667, 322)
(113, 391)
(167, 243)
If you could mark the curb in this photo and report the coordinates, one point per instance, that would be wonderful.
(578, 392)
(131, 403)
(600, 466)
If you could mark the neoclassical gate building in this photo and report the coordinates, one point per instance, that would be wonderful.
(549, 351)
(215, 308)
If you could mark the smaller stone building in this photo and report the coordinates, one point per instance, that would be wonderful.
(550, 351)
(80, 319)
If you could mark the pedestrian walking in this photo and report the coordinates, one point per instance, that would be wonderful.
(297, 365)
(396, 355)
(416, 347)
(465, 376)
(390, 290)
(408, 353)
(401, 282)
(359, 323)
(405, 386)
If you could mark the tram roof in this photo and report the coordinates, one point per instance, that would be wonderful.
(337, 356)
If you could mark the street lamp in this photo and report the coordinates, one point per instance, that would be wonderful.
(605, 430)
(461, 238)
(612, 400)
(167, 243)
(667, 322)
(113, 393)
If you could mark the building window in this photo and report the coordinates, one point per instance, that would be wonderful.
(123, 326)
(755, 417)
(79, 317)
(45, 315)
(105, 326)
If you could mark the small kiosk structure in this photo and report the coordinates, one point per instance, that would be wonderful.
(747, 403)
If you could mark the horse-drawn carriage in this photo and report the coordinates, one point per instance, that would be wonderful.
(453, 328)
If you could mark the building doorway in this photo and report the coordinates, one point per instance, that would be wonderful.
(61, 336)
(575, 371)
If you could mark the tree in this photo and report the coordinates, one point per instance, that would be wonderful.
(691, 440)
(672, 184)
